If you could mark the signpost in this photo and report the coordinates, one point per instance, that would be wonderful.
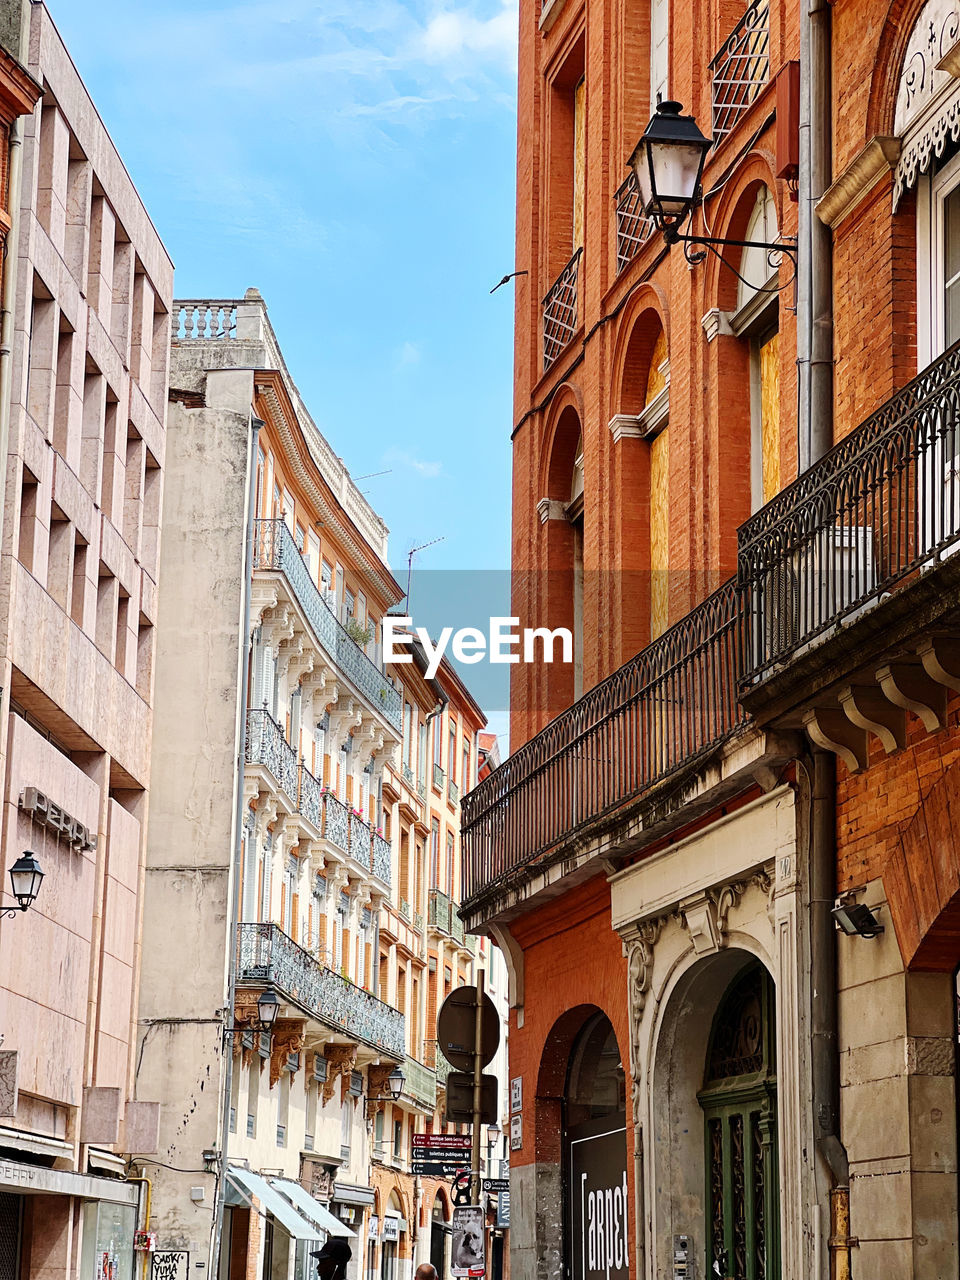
(468, 1033)
(441, 1155)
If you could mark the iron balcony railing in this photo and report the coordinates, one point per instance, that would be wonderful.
(442, 915)
(434, 1059)
(336, 822)
(740, 69)
(560, 311)
(633, 229)
(881, 505)
(275, 549)
(453, 792)
(267, 745)
(673, 702)
(380, 857)
(265, 954)
(438, 777)
(310, 797)
(420, 1083)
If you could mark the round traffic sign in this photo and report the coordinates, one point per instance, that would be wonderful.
(456, 1028)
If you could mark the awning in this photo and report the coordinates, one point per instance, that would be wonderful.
(252, 1184)
(311, 1208)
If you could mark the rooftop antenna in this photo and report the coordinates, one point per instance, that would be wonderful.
(413, 551)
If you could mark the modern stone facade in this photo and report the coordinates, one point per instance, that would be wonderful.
(83, 379)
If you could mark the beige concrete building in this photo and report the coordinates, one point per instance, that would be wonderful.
(83, 377)
(266, 870)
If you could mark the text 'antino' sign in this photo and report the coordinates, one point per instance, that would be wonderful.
(598, 1195)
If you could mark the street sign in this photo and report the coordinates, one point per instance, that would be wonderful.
(494, 1186)
(456, 1028)
(503, 1209)
(516, 1133)
(440, 1155)
(466, 1246)
(460, 1098)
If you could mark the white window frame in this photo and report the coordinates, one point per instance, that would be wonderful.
(932, 192)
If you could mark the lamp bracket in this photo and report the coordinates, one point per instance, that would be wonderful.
(775, 250)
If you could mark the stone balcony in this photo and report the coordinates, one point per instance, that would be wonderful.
(268, 957)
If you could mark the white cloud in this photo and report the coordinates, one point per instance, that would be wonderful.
(428, 470)
(407, 354)
(457, 33)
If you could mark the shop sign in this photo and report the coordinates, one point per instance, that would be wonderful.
(391, 1229)
(503, 1209)
(43, 811)
(598, 1207)
(374, 1229)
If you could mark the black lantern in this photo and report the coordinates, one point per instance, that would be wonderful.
(395, 1083)
(668, 164)
(26, 875)
(268, 1007)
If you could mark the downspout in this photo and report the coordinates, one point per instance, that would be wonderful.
(815, 385)
(825, 1057)
(11, 255)
(214, 1262)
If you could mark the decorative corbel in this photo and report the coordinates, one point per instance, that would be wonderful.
(377, 1076)
(639, 942)
(263, 599)
(288, 1037)
(724, 898)
(341, 1060)
(277, 625)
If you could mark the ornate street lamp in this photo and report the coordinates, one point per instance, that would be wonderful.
(25, 878)
(268, 1008)
(668, 163)
(395, 1083)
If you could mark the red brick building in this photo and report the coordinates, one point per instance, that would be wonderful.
(738, 492)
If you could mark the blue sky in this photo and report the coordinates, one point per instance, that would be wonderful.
(354, 160)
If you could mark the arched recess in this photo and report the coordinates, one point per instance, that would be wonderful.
(441, 1213)
(581, 1146)
(750, 456)
(559, 584)
(690, 1193)
(641, 454)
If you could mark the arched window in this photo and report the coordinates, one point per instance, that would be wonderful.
(595, 1155)
(739, 1101)
(756, 320)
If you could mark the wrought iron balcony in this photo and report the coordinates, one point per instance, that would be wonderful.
(408, 775)
(869, 519)
(453, 792)
(267, 956)
(310, 797)
(438, 777)
(660, 712)
(266, 745)
(275, 549)
(436, 1061)
(380, 857)
(405, 909)
(560, 311)
(633, 229)
(336, 822)
(420, 1083)
(440, 912)
(740, 69)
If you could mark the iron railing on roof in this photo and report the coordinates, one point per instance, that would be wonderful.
(673, 702)
(633, 228)
(881, 505)
(560, 310)
(741, 68)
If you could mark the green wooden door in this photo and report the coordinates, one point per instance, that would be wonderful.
(739, 1101)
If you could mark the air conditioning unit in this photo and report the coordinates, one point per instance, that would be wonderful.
(835, 574)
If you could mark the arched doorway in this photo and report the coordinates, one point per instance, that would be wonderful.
(739, 1102)
(595, 1155)
(439, 1235)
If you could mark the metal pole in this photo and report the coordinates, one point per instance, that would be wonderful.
(477, 1087)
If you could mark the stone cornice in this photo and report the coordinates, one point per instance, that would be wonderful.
(861, 175)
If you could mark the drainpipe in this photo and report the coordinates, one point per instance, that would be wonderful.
(815, 275)
(232, 908)
(11, 257)
(825, 1058)
(815, 386)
